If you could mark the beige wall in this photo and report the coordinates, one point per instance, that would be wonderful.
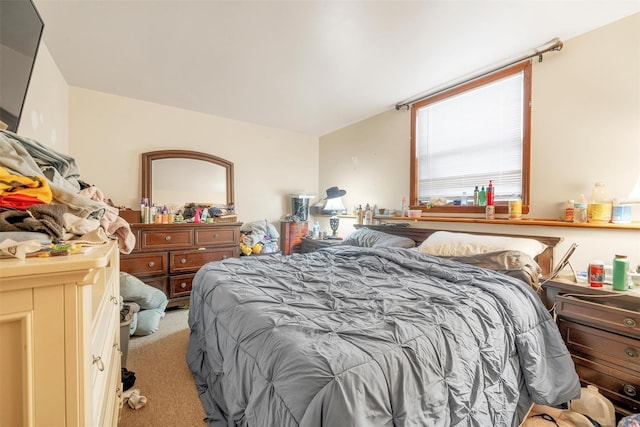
(586, 127)
(108, 133)
(45, 115)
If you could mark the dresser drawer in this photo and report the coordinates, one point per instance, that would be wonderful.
(215, 236)
(144, 264)
(190, 261)
(180, 286)
(158, 282)
(620, 387)
(166, 239)
(612, 318)
(596, 344)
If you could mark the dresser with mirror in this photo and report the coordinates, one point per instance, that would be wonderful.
(167, 256)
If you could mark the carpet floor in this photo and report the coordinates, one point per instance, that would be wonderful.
(163, 377)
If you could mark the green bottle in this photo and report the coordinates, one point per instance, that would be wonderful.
(620, 272)
(482, 197)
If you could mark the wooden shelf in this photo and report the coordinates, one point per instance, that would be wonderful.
(524, 221)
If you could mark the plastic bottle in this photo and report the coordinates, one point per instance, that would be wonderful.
(404, 209)
(360, 214)
(599, 208)
(368, 215)
(475, 196)
(620, 272)
(594, 405)
(490, 193)
(580, 210)
(144, 202)
(482, 197)
(568, 211)
(316, 230)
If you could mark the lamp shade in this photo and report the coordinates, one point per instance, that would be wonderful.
(334, 205)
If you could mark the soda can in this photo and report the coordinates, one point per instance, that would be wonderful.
(596, 274)
(491, 212)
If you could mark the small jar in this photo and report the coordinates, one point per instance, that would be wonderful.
(569, 211)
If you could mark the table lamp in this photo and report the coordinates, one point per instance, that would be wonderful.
(333, 207)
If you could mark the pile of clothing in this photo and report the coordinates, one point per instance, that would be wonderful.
(258, 237)
(41, 192)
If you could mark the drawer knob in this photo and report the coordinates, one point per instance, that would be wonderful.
(151, 263)
(215, 235)
(631, 352)
(629, 322)
(97, 360)
(167, 238)
(183, 261)
(629, 390)
(183, 285)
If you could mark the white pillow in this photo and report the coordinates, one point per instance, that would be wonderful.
(444, 243)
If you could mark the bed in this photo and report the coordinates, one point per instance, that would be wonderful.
(372, 335)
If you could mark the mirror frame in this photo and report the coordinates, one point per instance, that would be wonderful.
(149, 157)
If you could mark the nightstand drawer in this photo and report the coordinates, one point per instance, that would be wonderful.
(620, 387)
(215, 237)
(600, 345)
(166, 239)
(190, 261)
(612, 318)
(144, 264)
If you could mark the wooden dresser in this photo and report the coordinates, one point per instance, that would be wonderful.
(60, 340)
(601, 328)
(167, 256)
(292, 234)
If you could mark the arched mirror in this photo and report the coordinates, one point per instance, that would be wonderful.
(179, 177)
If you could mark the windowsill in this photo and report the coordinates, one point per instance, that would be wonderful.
(523, 221)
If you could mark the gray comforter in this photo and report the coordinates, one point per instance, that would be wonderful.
(353, 336)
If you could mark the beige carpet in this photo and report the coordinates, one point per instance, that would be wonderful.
(162, 375)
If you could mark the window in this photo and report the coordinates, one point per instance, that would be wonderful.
(470, 134)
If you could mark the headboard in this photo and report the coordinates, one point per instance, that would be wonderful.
(544, 260)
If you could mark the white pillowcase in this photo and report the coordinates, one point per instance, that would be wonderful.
(444, 243)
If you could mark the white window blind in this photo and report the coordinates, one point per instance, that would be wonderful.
(468, 139)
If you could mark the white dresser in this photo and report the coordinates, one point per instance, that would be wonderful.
(60, 340)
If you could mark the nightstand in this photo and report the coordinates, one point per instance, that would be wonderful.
(312, 245)
(292, 234)
(601, 329)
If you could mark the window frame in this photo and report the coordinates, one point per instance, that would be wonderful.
(500, 206)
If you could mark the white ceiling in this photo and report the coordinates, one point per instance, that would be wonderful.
(308, 66)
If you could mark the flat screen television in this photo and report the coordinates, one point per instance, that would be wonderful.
(20, 33)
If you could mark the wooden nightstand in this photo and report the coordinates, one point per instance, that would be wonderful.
(312, 245)
(601, 328)
(292, 234)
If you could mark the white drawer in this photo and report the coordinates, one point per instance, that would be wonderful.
(104, 379)
(103, 347)
(107, 399)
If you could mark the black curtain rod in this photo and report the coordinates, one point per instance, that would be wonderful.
(553, 45)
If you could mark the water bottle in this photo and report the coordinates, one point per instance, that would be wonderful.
(316, 230)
